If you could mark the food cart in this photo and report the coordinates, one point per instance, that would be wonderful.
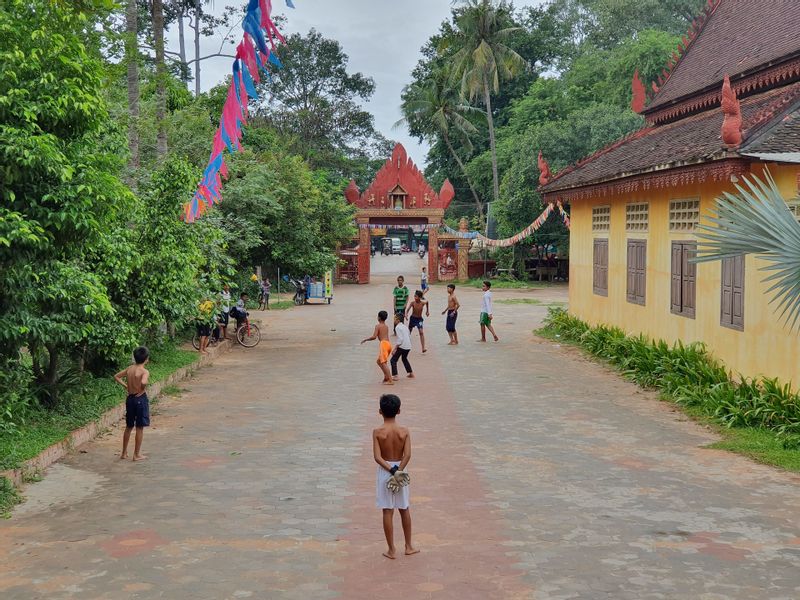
(321, 290)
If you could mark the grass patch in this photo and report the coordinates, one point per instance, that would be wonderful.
(42, 428)
(9, 497)
(507, 284)
(760, 416)
(281, 305)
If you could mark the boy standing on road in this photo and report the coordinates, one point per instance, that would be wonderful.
(137, 406)
(381, 333)
(452, 314)
(403, 346)
(391, 448)
(400, 297)
(486, 312)
(416, 320)
(266, 288)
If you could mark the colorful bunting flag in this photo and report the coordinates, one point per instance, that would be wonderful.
(253, 55)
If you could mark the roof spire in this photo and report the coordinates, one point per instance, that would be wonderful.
(544, 170)
(638, 99)
(732, 123)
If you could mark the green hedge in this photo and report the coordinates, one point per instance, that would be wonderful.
(688, 375)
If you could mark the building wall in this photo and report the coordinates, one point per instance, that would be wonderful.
(765, 346)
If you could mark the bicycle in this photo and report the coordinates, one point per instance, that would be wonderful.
(247, 334)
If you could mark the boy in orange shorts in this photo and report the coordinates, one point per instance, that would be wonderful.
(381, 333)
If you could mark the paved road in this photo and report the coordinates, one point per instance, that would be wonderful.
(536, 473)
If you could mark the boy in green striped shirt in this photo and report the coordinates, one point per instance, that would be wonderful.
(400, 294)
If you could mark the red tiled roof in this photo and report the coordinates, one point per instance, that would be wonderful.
(740, 37)
(691, 140)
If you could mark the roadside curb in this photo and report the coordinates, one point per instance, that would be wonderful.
(113, 415)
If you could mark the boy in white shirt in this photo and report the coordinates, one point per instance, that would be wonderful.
(403, 346)
(486, 312)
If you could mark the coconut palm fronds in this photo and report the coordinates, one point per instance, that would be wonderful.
(758, 221)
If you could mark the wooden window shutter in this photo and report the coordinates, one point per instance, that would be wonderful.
(732, 296)
(600, 267)
(675, 288)
(688, 280)
(637, 271)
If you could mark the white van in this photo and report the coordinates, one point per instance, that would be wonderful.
(397, 247)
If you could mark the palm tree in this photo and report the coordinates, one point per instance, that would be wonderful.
(435, 107)
(482, 59)
(758, 221)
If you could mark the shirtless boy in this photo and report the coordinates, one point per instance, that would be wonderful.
(452, 314)
(137, 406)
(391, 447)
(381, 333)
(415, 308)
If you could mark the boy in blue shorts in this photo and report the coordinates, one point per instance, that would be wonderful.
(416, 320)
(137, 406)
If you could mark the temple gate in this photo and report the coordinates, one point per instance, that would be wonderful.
(398, 197)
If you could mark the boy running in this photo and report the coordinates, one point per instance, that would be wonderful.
(452, 314)
(391, 447)
(403, 347)
(416, 320)
(400, 297)
(137, 407)
(486, 312)
(381, 333)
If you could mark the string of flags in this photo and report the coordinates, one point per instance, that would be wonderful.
(414, 228)
(254, 54)
(515, 239)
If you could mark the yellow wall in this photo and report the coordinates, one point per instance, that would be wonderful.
(765, 346)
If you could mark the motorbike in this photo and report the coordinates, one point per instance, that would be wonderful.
(299, 291)
(421, 252)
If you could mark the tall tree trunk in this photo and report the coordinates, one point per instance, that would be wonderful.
(478, 203)
(132, 58)
(487, 99)
(161, 78)
(198, 12)
(182, 45)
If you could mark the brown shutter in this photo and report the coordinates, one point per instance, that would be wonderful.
(675, 288)
(737, 296)
(688, 280)
(726, 293)
(637, 271)
(600, 267)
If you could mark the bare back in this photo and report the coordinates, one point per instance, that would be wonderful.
(392, 440)
(136, 378)
(382, 331)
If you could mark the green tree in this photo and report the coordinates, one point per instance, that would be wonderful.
(483, 59)
(436, 109)
(58, 188)
(314, 102)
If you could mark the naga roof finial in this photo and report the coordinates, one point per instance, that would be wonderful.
(732, 123)
(638, 99)
(544, 170)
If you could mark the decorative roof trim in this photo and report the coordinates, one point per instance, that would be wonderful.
(746, 84)
(662, 177)
(683, 47)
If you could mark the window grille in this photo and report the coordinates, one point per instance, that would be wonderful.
(684, 215)
(637, 216)
(601, 218)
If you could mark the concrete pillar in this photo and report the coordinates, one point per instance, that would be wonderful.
(463, 259)
(363, 253)
(433, 255)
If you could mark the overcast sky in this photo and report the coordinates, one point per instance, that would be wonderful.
(381, 37)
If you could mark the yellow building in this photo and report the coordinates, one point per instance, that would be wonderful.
(636, 204)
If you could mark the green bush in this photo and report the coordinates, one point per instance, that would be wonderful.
(688, 375)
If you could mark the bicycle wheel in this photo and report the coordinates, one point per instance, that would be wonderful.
(248, 339)
(196, 341)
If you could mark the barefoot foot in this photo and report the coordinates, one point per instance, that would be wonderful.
(389, 554)
(123, 456)
(411, 376)
(139, 457)
(410, 550)
(388, 382)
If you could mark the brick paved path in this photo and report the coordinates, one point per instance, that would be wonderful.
(536, 474)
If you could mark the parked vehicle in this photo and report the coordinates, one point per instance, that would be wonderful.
(397, 246)
(386, 246)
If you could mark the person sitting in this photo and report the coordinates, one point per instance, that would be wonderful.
(239, 312)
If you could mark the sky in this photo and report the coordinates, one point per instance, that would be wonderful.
(382, 38)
